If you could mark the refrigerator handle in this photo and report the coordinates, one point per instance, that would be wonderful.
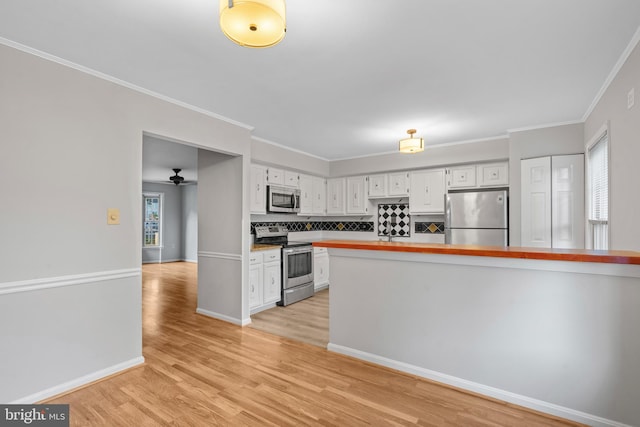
(447, 212)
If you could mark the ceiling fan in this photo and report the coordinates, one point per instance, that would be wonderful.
(177, 179)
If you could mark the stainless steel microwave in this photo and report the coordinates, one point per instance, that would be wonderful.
(283, 199)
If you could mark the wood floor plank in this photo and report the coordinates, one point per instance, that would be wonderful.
(204, 372)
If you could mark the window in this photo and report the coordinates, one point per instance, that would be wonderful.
(152, 210)
(598, 192)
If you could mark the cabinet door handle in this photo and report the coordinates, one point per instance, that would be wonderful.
(273, 281)
(426, 189)
(253, 288)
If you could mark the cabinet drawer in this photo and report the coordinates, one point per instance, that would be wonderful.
(269, 256)
(317, 251)
(255, 258)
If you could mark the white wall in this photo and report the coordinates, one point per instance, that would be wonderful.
(190, 223)
(565, 139)
(75, 142)
(559, 337)
(624, 144)
(443, 155)
(220, 248)
(270, 154)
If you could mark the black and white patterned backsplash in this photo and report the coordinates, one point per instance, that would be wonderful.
(364, 226)
(394, 219)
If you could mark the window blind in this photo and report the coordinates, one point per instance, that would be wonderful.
(599, 193)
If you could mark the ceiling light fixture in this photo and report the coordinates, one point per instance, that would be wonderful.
(411, 145)
(256, 23)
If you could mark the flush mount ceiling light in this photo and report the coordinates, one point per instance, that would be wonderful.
(411, 145)
(256, 23)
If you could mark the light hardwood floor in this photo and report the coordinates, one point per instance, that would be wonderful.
(306, 320)
(203, 372)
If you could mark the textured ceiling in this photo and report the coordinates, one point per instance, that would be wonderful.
(351, 76)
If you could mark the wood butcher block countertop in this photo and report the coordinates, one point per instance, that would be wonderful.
(577, 255)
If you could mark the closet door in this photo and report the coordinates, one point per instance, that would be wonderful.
(567, 201)
(535, 227)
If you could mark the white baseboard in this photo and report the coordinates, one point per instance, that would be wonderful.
(322, 287)
(195, 261)
(78, 382)
(263, 308)
(538, 405)
(219, 316)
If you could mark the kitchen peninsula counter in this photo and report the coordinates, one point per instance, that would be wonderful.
(552, 330)
(575, 255)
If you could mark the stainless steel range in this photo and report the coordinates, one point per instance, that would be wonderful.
(297, 263)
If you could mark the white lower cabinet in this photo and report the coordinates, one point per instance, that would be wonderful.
(320, 268)
(264, 279)
(255, 279)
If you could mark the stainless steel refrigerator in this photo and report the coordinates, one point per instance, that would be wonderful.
(477, 218)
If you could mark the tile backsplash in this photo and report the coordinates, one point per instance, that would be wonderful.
(363, 226)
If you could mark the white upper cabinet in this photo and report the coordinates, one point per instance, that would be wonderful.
(426, 191)
(291, 179)
(398, 184)
(257, 193)
(335, 196)
(357, 202)
(306, 194)
(393, 184)
(312, 195)
(378, 185)
(493, 174)
(319, 196)
(275, 176)
(480, 175)
(461, 176)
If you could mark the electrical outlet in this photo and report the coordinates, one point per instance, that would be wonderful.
(631, 98)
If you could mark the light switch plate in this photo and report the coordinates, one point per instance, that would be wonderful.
(631, 98)
(113, 216)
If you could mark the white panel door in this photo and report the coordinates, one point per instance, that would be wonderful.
(493, 175)
(398, 184)
(356, 195)
(335, 196)
(426, 191)
(378, 185)
(319, 196)
(306, 194)
(257, 193)
(535, 227)
(271, 282)
(255, 285)
(567, 201)
(461, 177)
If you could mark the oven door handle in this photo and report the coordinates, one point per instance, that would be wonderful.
(297, 250)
